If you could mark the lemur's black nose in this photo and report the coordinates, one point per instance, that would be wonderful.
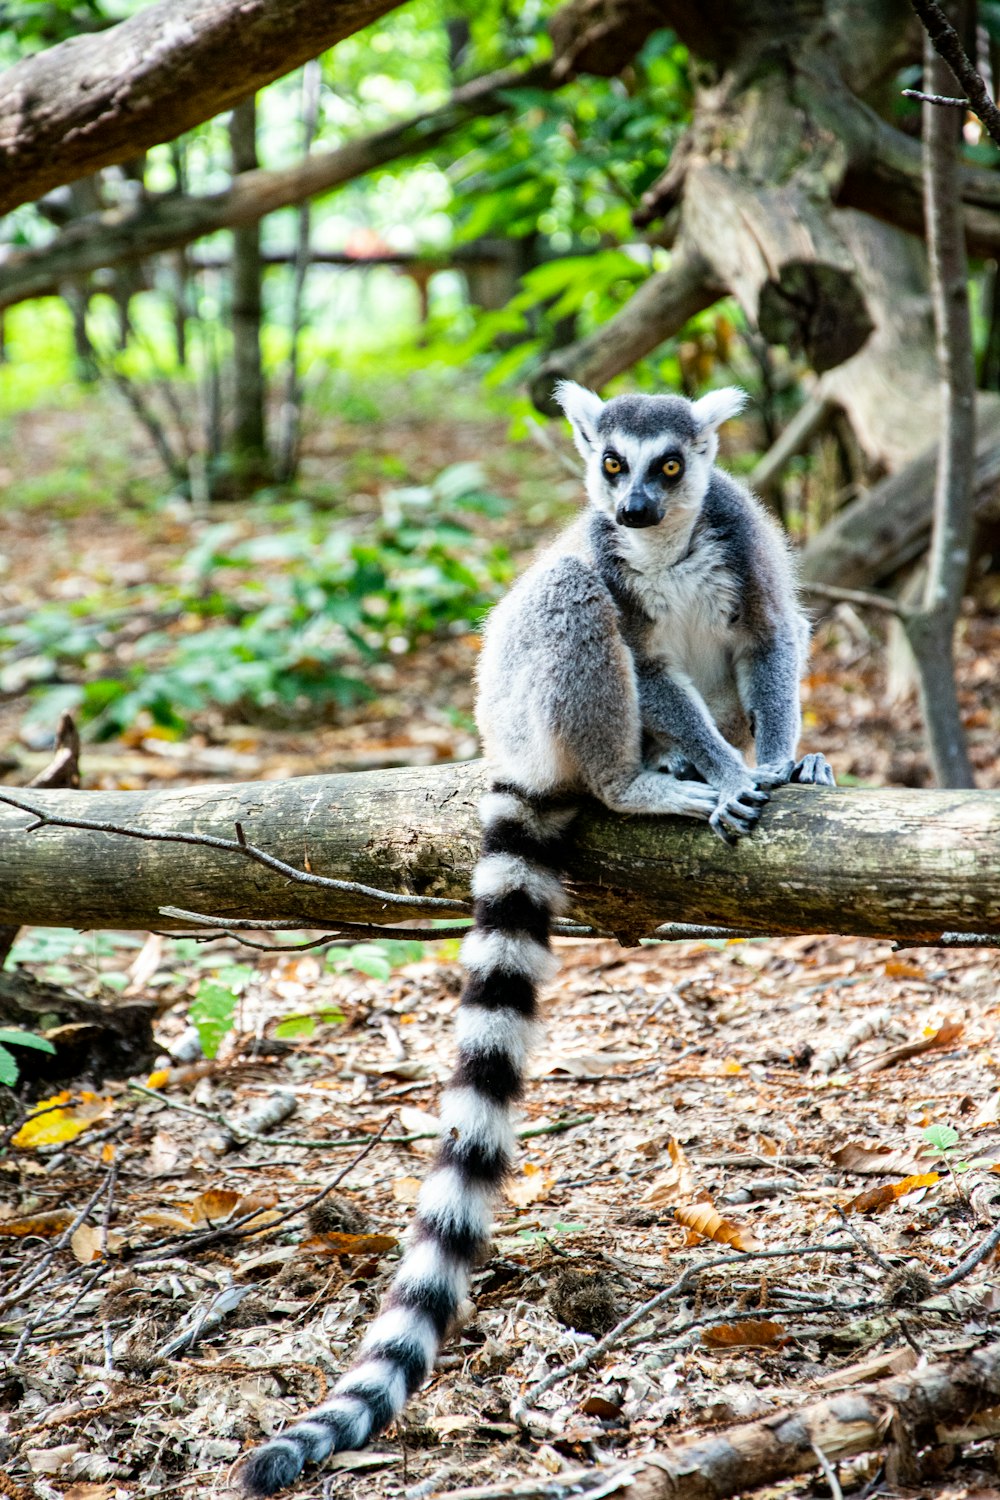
(637, 512)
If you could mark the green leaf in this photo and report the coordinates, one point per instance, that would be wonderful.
(212, 1014)
(8, 1067)
(941, 1137)
(16, 1038)
(294, 1026)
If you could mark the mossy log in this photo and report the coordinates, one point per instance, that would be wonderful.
(901, 863)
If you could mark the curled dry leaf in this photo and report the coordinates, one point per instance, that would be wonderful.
(945, 1036)
(676, 1183)
(751, 1333)
(878, 1198)
(707, 1222)
(47, 1224)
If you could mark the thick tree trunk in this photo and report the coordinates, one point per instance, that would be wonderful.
(909, 864)
(98, 99)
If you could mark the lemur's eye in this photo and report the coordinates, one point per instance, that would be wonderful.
(672, 467)
(612, 465)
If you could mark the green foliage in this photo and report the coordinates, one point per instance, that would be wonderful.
(214, 1009)
(377, 959)
(13, 1037)
(282, 623)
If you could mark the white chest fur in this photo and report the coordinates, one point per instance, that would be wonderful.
(691, 602)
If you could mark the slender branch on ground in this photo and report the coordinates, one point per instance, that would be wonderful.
(239, 845)
(60, 1244)
(971, 1261)
(519, 1410)
(948, 44)
(227, 927)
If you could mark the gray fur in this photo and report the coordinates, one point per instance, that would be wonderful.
(661, 630)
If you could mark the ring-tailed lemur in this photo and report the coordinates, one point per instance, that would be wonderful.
(660, 629)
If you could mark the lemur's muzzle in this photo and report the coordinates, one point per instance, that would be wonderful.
(639, 508)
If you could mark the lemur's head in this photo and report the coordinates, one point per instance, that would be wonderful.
(648, 457)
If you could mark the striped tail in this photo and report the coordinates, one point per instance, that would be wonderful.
(517, 892)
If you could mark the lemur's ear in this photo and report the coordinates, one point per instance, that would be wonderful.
(583, 409)
(718, 406)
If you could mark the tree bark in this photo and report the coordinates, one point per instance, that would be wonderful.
(907, 864)
(173, 220)
(931, 629)
(98, 99)
(248, 440)
(953, 1401)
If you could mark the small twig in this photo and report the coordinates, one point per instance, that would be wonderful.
(860, 597)
(227, 927)
(60, 1244)
(858, 1234)
(946, 99)
(233, 846)
(971, 1261)
(520, 1406)
(948, 44)
(835, 1491)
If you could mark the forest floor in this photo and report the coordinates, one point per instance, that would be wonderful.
(692, 1105)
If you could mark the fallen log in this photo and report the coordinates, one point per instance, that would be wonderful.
(954, 1401)
(902, 863)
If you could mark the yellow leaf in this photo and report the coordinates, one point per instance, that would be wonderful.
(875, 1199)
(159, 1079)
(55, 1121)
(732, 1066)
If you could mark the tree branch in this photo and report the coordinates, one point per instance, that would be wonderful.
(389, 845)
(930, 629)
(172, 221)
(98, 99)
(947, 43)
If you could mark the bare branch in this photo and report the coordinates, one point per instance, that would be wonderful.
(948, 44)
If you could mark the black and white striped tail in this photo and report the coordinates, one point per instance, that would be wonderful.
(517, 892)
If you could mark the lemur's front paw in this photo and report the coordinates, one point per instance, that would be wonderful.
(737, 810)
(774, 773)
(813, 770)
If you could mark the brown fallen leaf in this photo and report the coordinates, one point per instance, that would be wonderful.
(333, 1243)
(876, 1161)
(944, 1036)
(47, 1224)
(677, 1182)
(751, 1333)
(878, 1198)
(213, 1206)
(530, 1186)
(89, 1243)
(600, 1406)
(406, 1189)
(706, 1221)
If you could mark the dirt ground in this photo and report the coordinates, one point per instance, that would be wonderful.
(153, 1329)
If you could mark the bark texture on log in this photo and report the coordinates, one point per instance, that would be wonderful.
(169, 222)
(902, 863)
(99, 98)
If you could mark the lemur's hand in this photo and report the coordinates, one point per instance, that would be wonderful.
(740, 801)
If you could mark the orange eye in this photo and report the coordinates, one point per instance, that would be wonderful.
(612, 465)
(672, 468)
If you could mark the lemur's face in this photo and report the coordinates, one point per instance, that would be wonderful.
(649, 458)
